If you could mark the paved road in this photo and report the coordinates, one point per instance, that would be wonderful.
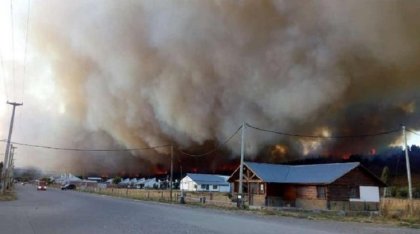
(56, 211)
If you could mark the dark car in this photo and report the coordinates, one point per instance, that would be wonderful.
(68, 187)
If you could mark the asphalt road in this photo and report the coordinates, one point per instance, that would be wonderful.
(61, 212)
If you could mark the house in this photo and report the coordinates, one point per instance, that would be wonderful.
(151, 183)
(68, 179)
(205, 182)
(140, 183)
(132, 183)
(124, 183)
(97, 179)
(335, 186)
(87, 183)
(109, 181)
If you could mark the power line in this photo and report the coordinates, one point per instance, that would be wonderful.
(87, 150)
(209, 152)
(325, 137)
(122, 150)
(24, 59)
(4, 76)
(26, 48)
(412, 131)
(13, 47)
(215, 149)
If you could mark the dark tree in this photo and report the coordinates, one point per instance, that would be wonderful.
(116, 180)
(385, 175)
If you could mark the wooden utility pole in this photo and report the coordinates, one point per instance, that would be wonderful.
(11, 167)
(172, 171)
(6, 155)
(407, 163)
(182, 199)
(241, 168)
(12, 153)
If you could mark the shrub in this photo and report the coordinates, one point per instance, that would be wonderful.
(116, 180)
(403, 192)
(416, 192)
(393, 191)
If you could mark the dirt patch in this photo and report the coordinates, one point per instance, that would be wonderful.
(8, 196)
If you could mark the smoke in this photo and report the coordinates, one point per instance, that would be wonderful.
(142, 73)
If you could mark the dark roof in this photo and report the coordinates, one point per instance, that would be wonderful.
(301, 174)
(209, 179)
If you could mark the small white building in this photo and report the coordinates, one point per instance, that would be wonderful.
(140, 183)
(151, 183)
(124, 182)
(68, 179)
(97, 179)
(205, 182)
(109, 181)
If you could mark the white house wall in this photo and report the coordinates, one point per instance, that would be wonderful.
(368, 194)
(224, 189)
(219, 188)
(187, 184)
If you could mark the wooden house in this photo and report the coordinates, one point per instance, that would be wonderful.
(336, 186)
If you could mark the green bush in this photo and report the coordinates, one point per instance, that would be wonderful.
(416, 192)
(393, 191)
(116, 180)
(403, 193)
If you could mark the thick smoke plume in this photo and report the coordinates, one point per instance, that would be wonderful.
(145, 73)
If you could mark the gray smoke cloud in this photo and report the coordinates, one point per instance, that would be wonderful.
(144, 73)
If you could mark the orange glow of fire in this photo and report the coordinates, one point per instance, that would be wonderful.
(228, 167)
(160, 170)
(279, 150)
(373, 151)
(346, 156)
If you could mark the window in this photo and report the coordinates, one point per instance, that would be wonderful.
(354, 192)
(214, 187)
(205, 187)
(321, 192)
(262, 188)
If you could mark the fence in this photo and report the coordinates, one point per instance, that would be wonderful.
(142, 194)
(389, 207)
(400, 208)
(217, 199)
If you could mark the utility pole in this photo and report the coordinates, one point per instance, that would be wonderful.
(11, 166)
(241, 167)
(182, 200)
(407, 163)
(172, 170)
(6, 155)
(12, 153)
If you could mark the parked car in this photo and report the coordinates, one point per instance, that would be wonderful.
(42, 185)
(68, 187)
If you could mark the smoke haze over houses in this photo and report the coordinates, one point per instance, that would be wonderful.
(132, 74)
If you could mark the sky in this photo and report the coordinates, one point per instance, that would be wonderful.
(130, 74)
